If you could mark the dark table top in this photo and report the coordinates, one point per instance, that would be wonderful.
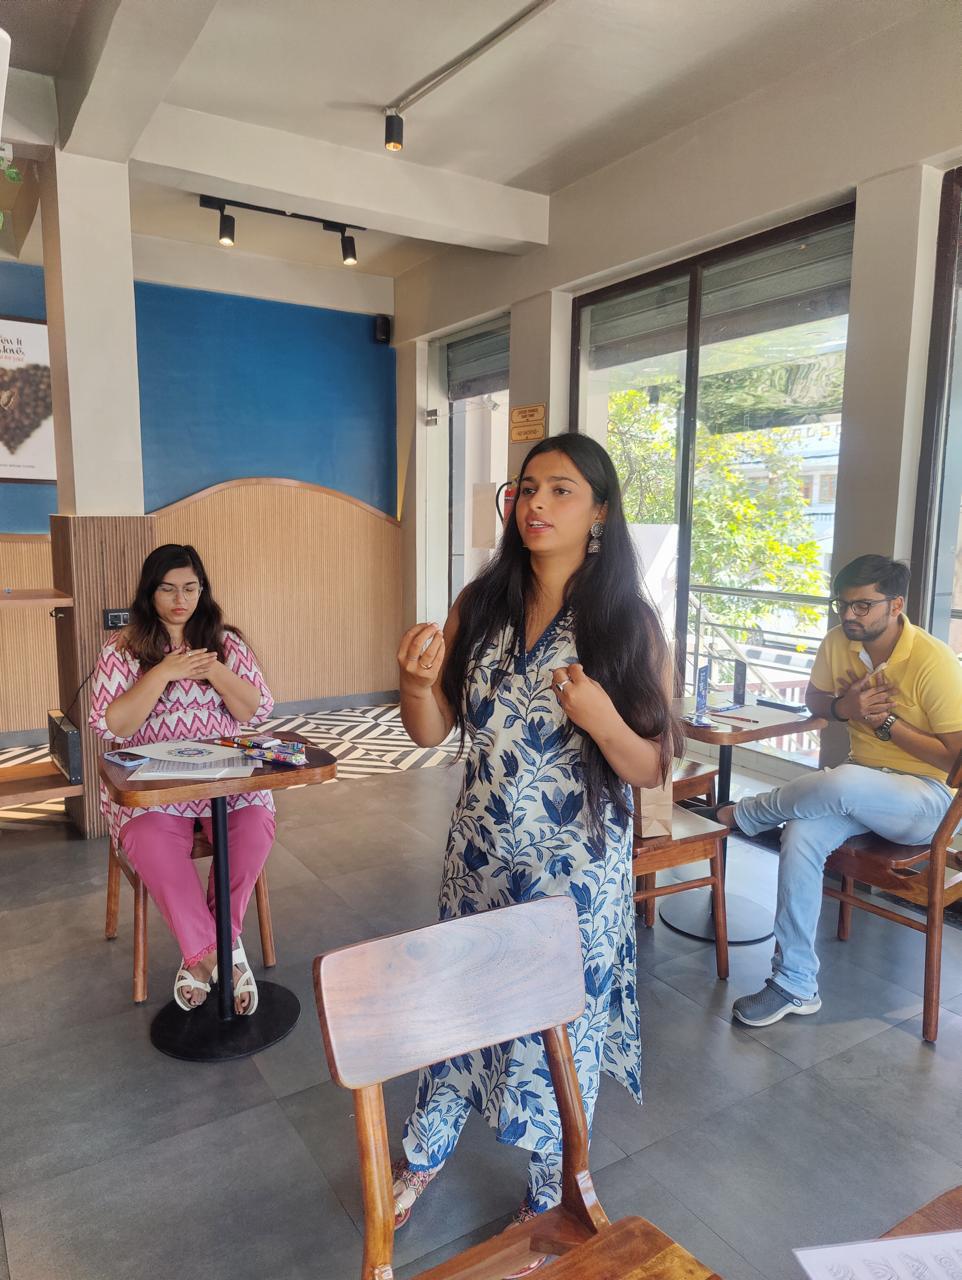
(268, 776)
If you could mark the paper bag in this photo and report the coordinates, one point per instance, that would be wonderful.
(653, 809)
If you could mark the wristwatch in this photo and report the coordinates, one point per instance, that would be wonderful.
(884, 731)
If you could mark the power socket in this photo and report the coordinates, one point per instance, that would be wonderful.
(116, 619)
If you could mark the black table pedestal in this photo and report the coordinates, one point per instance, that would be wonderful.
(214, 1032)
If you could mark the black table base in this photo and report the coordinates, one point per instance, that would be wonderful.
(202, 1036)
(690, 914)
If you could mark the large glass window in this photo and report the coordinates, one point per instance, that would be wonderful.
(936, 597)
(717, 388)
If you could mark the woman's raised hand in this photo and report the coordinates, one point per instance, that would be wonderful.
(188, 664)
(420, 656)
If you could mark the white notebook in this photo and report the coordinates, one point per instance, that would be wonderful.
(236, 766)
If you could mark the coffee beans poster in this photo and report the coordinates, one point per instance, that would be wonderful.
(26, 404)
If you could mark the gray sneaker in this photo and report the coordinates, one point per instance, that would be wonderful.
(771, 1004)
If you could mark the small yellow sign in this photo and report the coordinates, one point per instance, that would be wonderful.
(527, 423)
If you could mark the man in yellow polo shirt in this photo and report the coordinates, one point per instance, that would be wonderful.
(900, 692)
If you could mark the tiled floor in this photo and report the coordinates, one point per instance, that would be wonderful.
(116, 1162)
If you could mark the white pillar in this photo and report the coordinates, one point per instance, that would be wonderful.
(88, 272)
(893, 267)
(540, 367)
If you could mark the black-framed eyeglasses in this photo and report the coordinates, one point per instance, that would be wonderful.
(859, 607)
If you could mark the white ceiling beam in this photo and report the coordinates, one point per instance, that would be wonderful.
(209, 154)
(30, 114)
(121, 59)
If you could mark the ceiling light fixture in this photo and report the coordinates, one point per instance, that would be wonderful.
(348, 250)
(226, 225)
(225, 234)
(393, 130)
(393, 122)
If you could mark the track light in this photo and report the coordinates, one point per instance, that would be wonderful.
(348, 250)
(393, 131)
(226, 234)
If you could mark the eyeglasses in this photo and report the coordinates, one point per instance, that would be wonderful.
(170, 592)
(859, 607)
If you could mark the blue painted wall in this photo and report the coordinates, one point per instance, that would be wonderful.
(232, 387)
(24, 508)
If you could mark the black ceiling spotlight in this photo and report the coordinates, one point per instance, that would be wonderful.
(393, 130)
(226, 231)
(348, 250)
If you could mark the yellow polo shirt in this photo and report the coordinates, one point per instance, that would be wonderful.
(928, 677)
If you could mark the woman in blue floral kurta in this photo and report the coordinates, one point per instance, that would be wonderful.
(545, 804)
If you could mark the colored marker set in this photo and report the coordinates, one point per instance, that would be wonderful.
(292, 753)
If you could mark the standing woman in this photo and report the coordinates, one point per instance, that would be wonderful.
(179, 672)
(555, 666)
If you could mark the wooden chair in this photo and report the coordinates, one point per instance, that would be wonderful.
(693, 779)
(692, 839)
(394, 1004)
(117, 863)
(927, 875)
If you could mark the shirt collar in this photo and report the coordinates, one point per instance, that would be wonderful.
(903, 646)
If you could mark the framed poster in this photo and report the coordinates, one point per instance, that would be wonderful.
(26, 403)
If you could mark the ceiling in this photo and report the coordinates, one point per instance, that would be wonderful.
(39, 31)
(581, 84)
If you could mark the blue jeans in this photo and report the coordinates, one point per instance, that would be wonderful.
(820, 812)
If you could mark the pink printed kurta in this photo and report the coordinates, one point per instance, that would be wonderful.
(187, 710)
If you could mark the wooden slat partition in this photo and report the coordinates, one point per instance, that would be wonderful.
(311, 576)
(97, 560)
(28, 655)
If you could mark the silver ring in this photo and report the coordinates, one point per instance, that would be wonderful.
(561, 685)
(425, 666)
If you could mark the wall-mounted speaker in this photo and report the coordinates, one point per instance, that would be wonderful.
(382, 328)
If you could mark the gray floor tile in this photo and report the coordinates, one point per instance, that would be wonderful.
(659, 944)
(80, 1095)
(391, 899)
(4, 1269)
(298, 1061)
(856, 1004)
(909, 1086)
(258, 1206)
(796, 1165)
(310, 919)
(48, 865)
(692, 1066)
(361, 842)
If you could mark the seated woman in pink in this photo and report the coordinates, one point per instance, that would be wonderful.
(179, 672)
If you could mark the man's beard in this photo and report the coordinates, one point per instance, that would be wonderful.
(865, 635)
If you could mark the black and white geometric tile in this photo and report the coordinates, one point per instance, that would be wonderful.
(364, 740)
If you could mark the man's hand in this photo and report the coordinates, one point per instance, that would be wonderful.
(860, 699)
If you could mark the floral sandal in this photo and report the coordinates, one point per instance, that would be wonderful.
(525, 1214)
(409, 1185)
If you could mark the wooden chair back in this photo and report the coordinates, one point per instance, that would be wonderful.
(394, 1004)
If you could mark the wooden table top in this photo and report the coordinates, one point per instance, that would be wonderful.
(766, 722)
(268, 776)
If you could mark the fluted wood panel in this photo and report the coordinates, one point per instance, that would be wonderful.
(312, 578)
(28, 654)
(97, 560)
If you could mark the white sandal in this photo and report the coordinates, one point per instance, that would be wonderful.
(247, 986)
(185, 981)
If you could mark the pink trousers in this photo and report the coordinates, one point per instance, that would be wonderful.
(158, 845)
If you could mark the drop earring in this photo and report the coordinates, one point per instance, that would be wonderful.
(594, 542)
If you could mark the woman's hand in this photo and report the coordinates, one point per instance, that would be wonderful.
(188, 664)
(420, 657)
(583, 700)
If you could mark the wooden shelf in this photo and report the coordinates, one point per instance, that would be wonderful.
(24, 597)
(33, 783)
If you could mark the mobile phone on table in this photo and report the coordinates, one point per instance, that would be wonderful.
(126, 758)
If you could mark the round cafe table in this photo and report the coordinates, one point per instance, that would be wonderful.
(214, 1032)
(690, 913)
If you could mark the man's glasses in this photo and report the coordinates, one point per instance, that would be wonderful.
(858, 607)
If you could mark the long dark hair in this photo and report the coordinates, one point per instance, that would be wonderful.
(146, 636)
(618, 634)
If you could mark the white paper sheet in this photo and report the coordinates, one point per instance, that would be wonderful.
(196, 752)
(928, 1257)
(235, 766)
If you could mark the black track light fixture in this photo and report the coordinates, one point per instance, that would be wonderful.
(225, 235)
(393, 130)
(348, 250)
